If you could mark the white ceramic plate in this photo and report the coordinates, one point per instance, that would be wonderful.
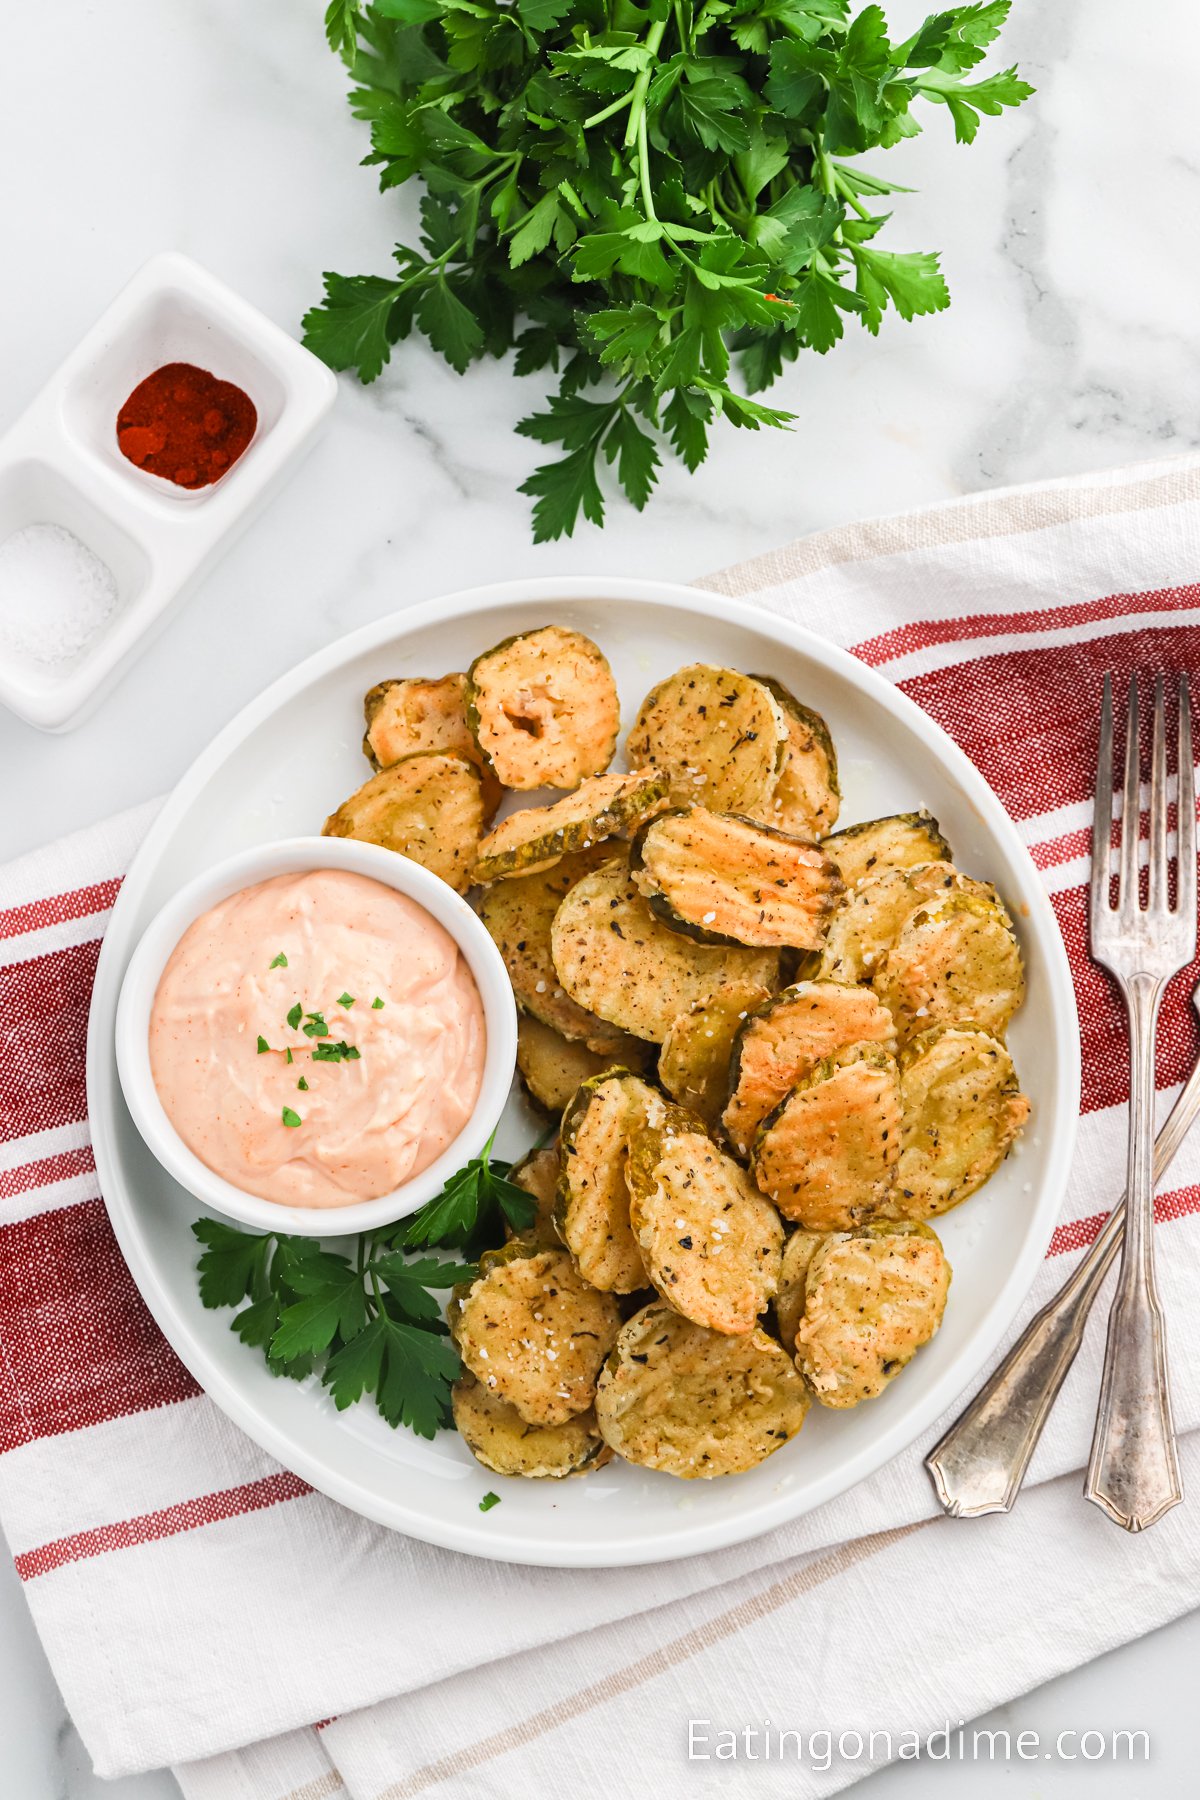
(276, 772)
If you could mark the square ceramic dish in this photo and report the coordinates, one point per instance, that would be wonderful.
(60, 465)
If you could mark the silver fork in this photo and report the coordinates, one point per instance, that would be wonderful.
(1133, 1474)
(978, 1466)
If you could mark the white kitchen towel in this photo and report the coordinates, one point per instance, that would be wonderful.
(194, 1598)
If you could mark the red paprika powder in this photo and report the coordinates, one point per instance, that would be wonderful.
(183, 424)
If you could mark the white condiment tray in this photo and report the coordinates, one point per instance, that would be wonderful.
(60, 465)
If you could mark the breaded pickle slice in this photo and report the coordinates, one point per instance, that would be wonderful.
(896, 842)
(871, 1299)
(870, 917)
(615, 959)
(693, 1403)
(537, 1173)
(963, 1111)
(827, 1154)
(780, 1042)
(710, 1242)
(553, 1066)
(518, 915)
(411, 713)
(498, 1437)
(719, 736)
(723, 879)
(537, 836)
(428, 807)
(693, 1064)
(542, 707)
(798, 1252)
(807, 796)
(533, 1332)
(592, 1208)
(954, 960)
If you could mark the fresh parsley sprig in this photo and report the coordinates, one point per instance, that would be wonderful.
(369, 1321)
(632, 194)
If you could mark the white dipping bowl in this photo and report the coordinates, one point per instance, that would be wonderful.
(299, 856)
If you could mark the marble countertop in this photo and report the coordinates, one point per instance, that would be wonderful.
(221, 131)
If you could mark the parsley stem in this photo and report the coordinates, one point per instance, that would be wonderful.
(849, 196)
(644, 168)
(617, 106)
(635, 130)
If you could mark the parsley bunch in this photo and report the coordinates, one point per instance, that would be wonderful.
(370, 1322)
(630, 194)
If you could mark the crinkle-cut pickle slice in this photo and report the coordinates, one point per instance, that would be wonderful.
(615, 959)
(895, 842)
(411, 713)
(963, 1111)
(518, 916)
(537, 1173)
(533, 1331)
(780, 1042)
(592, 1207)
(693, 1403)
(710, 1242)
(871, 1299)
(499, 1438)
(723, 879)
(807, 797)
(955, 960)
(553, 1066)
(798, 1252)
(827, 1154)
(719, 736)
(693, 1064)
(869, 917)
(537, 836)
(542, 707)
(428, 807)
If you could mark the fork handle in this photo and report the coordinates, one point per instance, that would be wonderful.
(1133, 1474)
(980, 1463)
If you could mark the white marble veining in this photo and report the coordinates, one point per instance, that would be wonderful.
(1068, 241)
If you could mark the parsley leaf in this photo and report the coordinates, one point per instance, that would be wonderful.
(625, 196)
(279, 962)
(369, 1322)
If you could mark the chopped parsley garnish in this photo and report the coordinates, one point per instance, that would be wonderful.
(295, 1016)
(290, 1057)
(369, 1322)
(302, 1085)
(489, 1500)
(339, 1052)
(280, 962)
(345, 999)
(263, 1045)
(315, 1026)
(376, 1004)
(291, 1119)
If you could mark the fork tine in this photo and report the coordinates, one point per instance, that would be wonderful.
(1102, 811)
(1157, 890)
(1185, 892)
(1131, 816)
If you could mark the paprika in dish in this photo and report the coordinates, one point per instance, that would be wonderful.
(183, 424)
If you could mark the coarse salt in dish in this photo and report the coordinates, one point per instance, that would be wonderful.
(56, 596)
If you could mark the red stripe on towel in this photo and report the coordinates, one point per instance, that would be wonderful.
(44, 1006)
(923, 633)
(80, 1345)
(168, 1521)
(1079, 1233)
(56, 909)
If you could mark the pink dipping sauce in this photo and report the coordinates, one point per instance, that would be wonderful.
(367, 1124)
